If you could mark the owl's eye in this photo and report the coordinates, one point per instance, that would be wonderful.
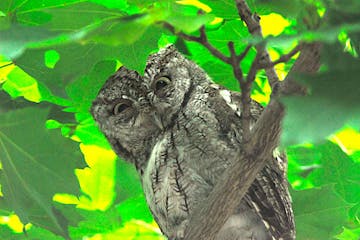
(160, 83)
(122, 106)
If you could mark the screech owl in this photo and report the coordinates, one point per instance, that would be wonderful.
(202, 137)
(126, 117)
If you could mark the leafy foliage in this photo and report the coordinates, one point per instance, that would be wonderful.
(29, 192)
(56, 54)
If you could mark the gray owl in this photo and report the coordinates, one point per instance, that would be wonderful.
(126, 118)
(201, 138)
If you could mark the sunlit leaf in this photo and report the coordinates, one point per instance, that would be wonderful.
(136, 230)
(349, 234)
(97, 181)
(96, 222)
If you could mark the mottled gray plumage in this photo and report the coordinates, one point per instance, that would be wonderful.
(126, 117)
(202, 136)
(182, 131)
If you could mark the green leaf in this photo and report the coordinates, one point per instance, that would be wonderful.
(16, 39)
(32, 233)
(77, 16)
(127, 180)
(57, 18)
(220, 72)
(75, 61)
(134, 56)
(51, 58)
(319, 213)
(120, 31)
(223, 8)
(330, 104)
(136, 230)
(284, 7)
(185, 18)
(234, 31)
(339, 169)
(135, 208)
(326, 164)
(349, 234)
(345, 6)
(133, 204)
(37, 163)
(84, 90)
(96, 222)
(23, 36)
(21, 84)
(119, 4)
(89, 133)
(144, 3)
(6, 233)
(23, 6)
(98, 180)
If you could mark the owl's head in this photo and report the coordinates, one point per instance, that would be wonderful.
(124, 114)
(172, 79)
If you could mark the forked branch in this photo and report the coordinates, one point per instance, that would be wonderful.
(260, 142)
(207, 220)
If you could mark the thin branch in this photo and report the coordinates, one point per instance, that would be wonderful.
(234, 60)
(244, 53)
(235, 63)
(207, 220)
(253, 24)
(6, 65)
(282, 59)
(245, 87)
(202, 39)
(246, 101)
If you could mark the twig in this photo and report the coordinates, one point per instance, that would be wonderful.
(207, 220)
(202, 39)
(235, 63)
(6, 65)
(243, 54)
(234, 60)
(245, 87)
(282, 59)
(252, 22)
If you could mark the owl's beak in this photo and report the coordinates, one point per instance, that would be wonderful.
(157, 120)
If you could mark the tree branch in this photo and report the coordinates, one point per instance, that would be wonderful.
(202, 39)
(236, 180)
(253, 24)
(6, 65)
(261, 140)
(282, 59)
